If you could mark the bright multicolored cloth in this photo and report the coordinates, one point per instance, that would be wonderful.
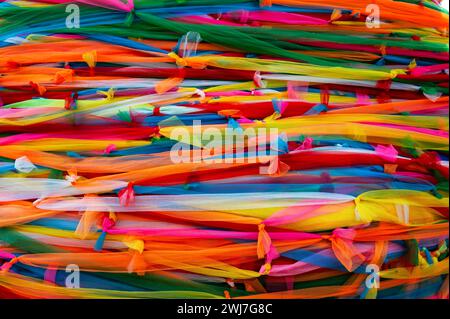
(96, 101)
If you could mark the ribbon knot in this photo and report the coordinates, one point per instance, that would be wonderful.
(38, 88)
(265, 269)
(335, 15)
(276, 167)
(64, 76)
(168, 84)
(306, 145)
(126, 195)
(183, 62)
(428, 159)
(178, 60)
(71, 101)
(109, 149)
(137, 262)
(257, 80)
(72, 176)
(107, 224)
(264, 242)
(396, 72)
(108, 94)
(230, 282)
(86, 223)
(388, 153)
(91, 60)
(135, 244)
(342, 245)
(201, 94)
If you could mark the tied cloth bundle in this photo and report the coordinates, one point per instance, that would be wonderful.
(224, 149)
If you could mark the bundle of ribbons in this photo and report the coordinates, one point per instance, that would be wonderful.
(348, 200)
